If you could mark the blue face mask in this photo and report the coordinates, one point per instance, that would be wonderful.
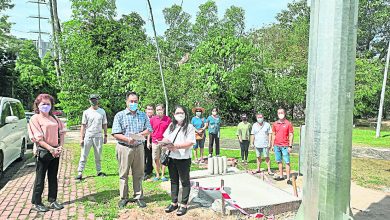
(133, 107)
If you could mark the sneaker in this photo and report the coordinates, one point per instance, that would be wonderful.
(278, 178)
(164, 179)
(122, 203)
(155, 179)
(210, 155)
(40, 208)
(79, 177)
(289, 182)
(141, 203)
(55, 205)
(101, 174)
(146, 176)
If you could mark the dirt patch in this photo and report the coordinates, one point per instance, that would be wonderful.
(158, 213)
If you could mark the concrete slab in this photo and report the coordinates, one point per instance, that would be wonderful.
(251, 193)
(204, 173)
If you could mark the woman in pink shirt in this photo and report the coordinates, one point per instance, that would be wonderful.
(47, 132)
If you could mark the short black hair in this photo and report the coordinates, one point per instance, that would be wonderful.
(131, 93)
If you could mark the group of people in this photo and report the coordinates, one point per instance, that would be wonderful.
(142, 139)
(263, 137)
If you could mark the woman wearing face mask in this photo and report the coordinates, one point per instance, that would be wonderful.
(199, 123)
(243, 135)
(47, 132)
(213, 122)
(178, 139)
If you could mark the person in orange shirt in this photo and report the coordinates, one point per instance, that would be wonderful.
(47, 132)
(282, 140)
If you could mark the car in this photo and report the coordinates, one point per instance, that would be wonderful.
(30, 144)
(13, 132)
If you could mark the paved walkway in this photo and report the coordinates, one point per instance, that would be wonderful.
(15, 197)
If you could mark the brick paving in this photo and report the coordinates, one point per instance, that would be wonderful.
(15, 197)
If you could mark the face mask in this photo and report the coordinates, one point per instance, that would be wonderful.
(160, 113)
(260, 120)
(44, 108)
(180, 117)
(281, 116)
(198, 114)
(133, 106)
(214, 113)
(93, 102)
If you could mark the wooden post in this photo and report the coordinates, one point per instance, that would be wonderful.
(223, 199)
(294, 184)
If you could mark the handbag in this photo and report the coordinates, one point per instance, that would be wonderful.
(164, 158)
(200, 136)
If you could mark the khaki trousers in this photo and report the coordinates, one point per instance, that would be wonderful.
(130, 158)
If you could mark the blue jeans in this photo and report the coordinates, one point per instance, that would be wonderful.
(279, 151)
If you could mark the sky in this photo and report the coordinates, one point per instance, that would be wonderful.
(258, 13)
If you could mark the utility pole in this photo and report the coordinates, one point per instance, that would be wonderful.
(329, 110)
(159, 59)
(382, 100)
(39, 32)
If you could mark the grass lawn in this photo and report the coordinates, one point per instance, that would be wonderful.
(371, 173)
(361, 137)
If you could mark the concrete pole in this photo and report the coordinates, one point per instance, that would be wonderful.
(382, 100)
(329, 109)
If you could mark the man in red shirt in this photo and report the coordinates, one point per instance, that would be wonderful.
(282, 140)
(159, 123)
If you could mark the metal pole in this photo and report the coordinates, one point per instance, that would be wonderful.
(223, 199)
(159, 59)
(380, 112)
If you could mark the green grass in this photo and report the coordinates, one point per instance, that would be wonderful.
(371, 173)
(361, 137)
(105, 202)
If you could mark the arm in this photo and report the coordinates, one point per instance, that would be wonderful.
(105, 133)
(270, 140)
(82, 134)
(117, 131)
(252, 140)
(123, 138)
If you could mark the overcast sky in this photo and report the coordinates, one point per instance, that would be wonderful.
(258, 13)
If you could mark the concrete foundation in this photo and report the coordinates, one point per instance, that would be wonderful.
(249, 192)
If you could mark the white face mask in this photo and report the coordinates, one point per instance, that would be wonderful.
(160, 112)
(260, 120)
(198, 114)
(281, 116)
(180, 117)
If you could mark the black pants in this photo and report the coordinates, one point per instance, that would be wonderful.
(148, 160)
(213, 138)
(180, 169)
(244, 145)
(43, 167)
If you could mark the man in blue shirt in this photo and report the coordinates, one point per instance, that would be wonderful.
(130, 152)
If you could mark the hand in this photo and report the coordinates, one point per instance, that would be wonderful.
(172, 147)
(253, 146)
(53, 152)
(130, 140)
(289, 150)
(272, 149)
(82, 143)
(149, 146)
(105, 140)
(240, 140)
(59, 151)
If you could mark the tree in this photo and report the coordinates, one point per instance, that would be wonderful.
(206, 22)
(373, 28)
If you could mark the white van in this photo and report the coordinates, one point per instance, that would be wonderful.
(13, 132)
